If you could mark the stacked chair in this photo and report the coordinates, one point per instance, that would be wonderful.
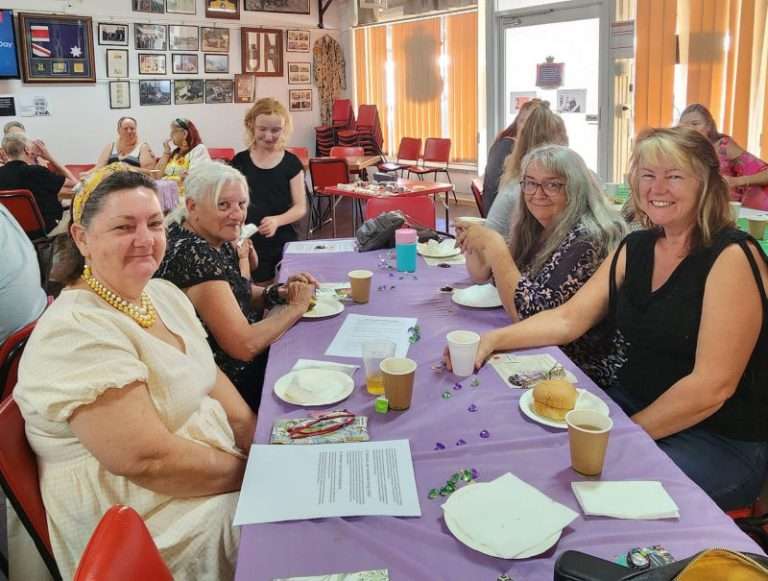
(367, 134)
(342, 119)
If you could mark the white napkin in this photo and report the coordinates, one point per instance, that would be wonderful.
(458, 259)
(438, 249)
(508, 516)
(478, 295)
(313, 386)
(315, 364)
(627, 499)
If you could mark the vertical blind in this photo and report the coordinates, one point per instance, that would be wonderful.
(461, 51)
(370, 60)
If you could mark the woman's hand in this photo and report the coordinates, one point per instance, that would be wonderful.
(476, 238)
(484, 351)
(304, 277)
(300, 294)
(268, 226)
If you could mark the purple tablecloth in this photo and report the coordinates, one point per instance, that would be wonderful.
(416, 549)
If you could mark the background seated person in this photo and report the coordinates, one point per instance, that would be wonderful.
(187, 151)
(564, 232)
(122, 400)
(676, 291)
(45, 184)
(202, 260)
(127, 148)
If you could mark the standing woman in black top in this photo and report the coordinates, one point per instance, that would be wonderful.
(275, 182)
(688, 294)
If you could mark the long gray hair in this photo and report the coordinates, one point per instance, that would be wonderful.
(586, 204)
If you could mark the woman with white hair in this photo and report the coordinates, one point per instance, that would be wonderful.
(204, 259)
(564, 230)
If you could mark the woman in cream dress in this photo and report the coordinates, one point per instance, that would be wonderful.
(122, 400)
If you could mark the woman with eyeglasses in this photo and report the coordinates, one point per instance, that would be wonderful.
(188, 150)
(564, 230)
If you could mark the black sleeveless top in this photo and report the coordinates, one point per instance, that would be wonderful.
(662, 329)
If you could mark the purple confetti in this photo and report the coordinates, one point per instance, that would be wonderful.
(457, 386)
(474, 474)
(439, 446)
(461, 442)
(485, 434)
(391, 275)
(472, 408)
(392, 287)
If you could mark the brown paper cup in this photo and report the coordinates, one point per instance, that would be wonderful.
(399, 373)
(360, 281)
(735, 210)
(588, 434)
(757, 227)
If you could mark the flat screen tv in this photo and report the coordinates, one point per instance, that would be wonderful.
(9, 62)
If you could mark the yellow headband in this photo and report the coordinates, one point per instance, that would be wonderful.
(81, 198)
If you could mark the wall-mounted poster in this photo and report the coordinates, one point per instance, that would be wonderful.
(297, 40)
(152, 64)
(245, 88)
(218, 91)
(119, 95)
(180, 7)
(216, 63)
(519, 98)
(184, 64)
(300, 99)
(113, 34)
(155, 92)
(549, 74)
(156, 6)
(291, 6)
(262, 51)
(572, 101)
(222, 9)
(56, 49)
(188, 91)
(150, 36)
(214, 39)
(299, 73)
(183, 37)
(117, 63)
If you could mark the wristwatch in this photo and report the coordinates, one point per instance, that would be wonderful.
(272, 296)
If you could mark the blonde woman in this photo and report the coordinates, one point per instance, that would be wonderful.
(275, 183)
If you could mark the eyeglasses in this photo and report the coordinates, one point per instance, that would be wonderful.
(550, 188)
(324, 424)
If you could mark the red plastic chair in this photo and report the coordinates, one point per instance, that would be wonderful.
(436, 150)
(419, 211)
(23, 206)
(121, 549)
(302, 153)
(477, 191)
(21, 482)
(338, 151)
(328, 172)
(409, 149)
(10, 355)
(79, 168)
(221, 153)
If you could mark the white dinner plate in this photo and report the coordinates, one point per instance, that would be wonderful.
(314, 386)
(325, 306)
(463, 538)
(481, 296)
(444, 249)
(585, 401)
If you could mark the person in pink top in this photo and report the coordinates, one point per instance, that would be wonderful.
(747, 175)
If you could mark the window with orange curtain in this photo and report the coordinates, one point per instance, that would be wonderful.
(370, 66)
(461, 52)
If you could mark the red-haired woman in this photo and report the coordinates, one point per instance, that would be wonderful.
(175, 164)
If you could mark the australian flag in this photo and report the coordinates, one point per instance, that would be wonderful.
(59, 40)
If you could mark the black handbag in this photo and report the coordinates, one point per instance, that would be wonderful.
(379, 232)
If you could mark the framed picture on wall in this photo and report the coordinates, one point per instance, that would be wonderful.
(152, 64)
(262, 51)
(245, 88)
(156, 92)
(188, 91)
(297, 40)
(113, 34)
(180, 7)
(216, 63)
(117, 63)
(299, 73)
(150, 36)
(119, 95)
(56, 49)
(300, 100)
(290, 6)
(222, 9)
(218, 91)
(156, 6)
(184, 64)
(214, 39)
(183, 37)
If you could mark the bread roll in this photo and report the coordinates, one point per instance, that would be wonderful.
(553, 398)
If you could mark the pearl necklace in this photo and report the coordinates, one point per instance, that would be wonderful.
(145, 315)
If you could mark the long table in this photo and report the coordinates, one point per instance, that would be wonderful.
(416, 549)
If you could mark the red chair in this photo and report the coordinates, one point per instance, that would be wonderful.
(121, 549)
(419, 211)
(409, 149)
(10, 355)
(328, 172)
(477, 191)
(436, 150)
(339, 151)
(221, 153)
(79, 168)
(21, 482)
(302, 153)
(23, 206)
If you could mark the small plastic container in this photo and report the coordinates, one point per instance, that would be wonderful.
(405, 249)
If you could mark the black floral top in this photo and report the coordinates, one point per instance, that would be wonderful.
(601, 351)
(190, 260)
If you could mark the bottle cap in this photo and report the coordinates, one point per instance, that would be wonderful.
(405, 236)
(381, 405)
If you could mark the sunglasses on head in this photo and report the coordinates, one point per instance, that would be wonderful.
(182, 123)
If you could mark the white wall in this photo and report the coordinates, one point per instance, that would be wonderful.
(81, 122)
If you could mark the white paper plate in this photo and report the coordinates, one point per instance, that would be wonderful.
(585, 401)
(482, 296)
(444, 249)
(325, 306)
(463, 538)
(312, 387)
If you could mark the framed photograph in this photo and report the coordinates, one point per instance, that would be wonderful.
(218, 91)
(184, 64)
(117, 63)
(150, 36)
(183, 37)
(245, 88)
(113, 34)
(119, 95)
(156, 92)
(214, 39)
(299, 73)
(262, 51)
(222, 9)
(152, 64)
(56, 49)
(156, 6)
(180, 7)
(297, 40)
(290, 6)
(188, 92)
(300, 99)
(216, 63)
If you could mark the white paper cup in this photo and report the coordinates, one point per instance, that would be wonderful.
(462, 345)
(735, 210)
